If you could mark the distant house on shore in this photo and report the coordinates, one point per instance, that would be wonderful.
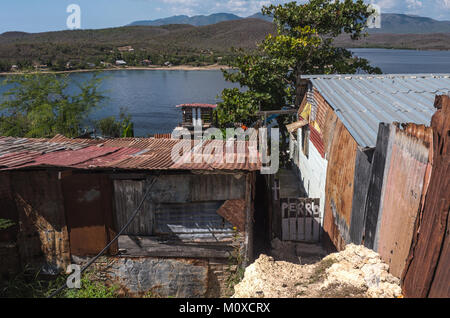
(105, 64)
(41, 67)
(121, 63)
(14, 68)
(146, 62)
(127, 48)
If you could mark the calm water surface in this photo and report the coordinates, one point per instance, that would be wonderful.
(151, 96)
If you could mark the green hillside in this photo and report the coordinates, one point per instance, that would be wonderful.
(177, 44)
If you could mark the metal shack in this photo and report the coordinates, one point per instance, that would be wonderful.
(70, 197)
(369, 173)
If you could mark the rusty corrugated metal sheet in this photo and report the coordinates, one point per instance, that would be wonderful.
(16, 159)
(427, 273)
(321, 109)
(402, 195)
(198, 105)
(126, 153)
(63, 139)
(317, 141)
(162, 136)
(339, 186)
(11, 144)
(72, 158)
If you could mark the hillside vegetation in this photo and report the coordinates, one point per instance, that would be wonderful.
(176, 44)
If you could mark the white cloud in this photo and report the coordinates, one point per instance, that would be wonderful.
(439, 9)
(414, 4)
(238, 7)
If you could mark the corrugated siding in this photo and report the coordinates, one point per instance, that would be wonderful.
(339, 186)
(192, 221)
(427, 272)
(402, 198)
(362, 102)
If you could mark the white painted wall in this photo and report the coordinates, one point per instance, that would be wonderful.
(312, 172)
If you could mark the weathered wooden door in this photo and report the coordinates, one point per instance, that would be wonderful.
(300, 219)
(88, 206)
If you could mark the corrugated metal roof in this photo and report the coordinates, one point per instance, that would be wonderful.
(362, 102)
(198, 105)
(126, 153)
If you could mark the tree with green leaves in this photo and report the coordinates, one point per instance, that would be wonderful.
(111, 127)
(39, 105)
(302, 44)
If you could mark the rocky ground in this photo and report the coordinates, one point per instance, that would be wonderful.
(354, 272)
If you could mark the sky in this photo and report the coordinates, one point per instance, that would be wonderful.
(51, 15)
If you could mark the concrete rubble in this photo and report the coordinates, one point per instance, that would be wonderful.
(356, 272)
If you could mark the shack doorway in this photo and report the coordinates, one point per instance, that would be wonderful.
(262, 232)
(88, 207)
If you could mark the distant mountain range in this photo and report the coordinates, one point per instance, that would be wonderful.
(198, 20)
(390, 22)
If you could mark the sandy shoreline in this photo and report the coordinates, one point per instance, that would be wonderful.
(214, 67)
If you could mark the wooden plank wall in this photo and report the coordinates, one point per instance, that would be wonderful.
(427, 272)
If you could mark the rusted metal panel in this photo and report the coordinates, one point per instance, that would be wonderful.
(317, 141)
(427, 271)
(402, 197)
(234, 212)
(127, 153)
(43, 237)
(162, 136)
(339, 187)
(88, 206)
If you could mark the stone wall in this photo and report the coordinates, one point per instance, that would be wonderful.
(164, 277)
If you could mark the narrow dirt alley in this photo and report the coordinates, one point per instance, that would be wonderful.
(301, 271)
